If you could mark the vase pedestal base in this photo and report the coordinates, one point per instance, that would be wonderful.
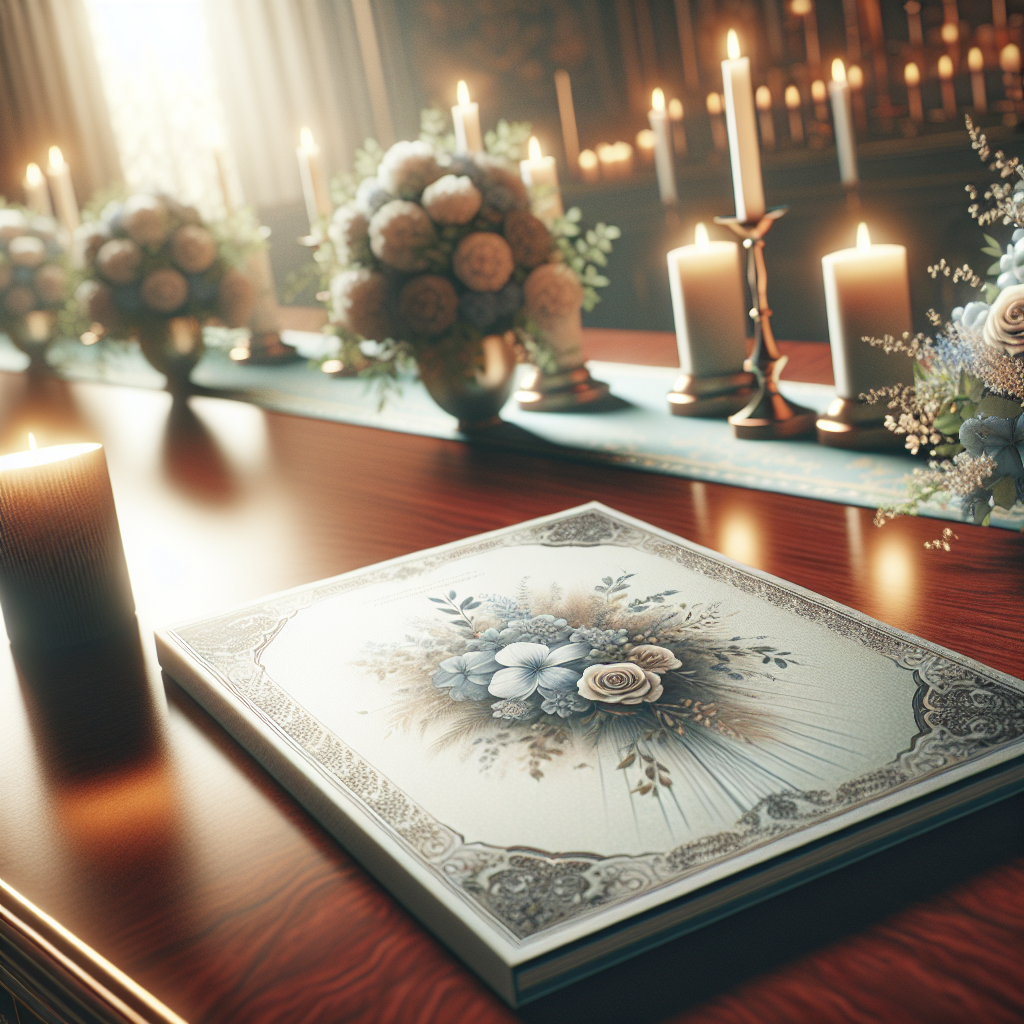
(711, 396)
(856, 426)
(560, 392)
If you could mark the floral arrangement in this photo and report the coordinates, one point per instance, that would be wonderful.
(428, 252)
(541, 672)
(33, 268)
(966, 405)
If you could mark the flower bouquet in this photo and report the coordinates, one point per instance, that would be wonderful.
(157, 273)
(966, 405)
(34, 281)
(434, 261)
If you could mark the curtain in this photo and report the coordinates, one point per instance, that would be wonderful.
(50, 95)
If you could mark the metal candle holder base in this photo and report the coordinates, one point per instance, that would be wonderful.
(856, 426)
(712, 396)
(768, 415)
(560, 392)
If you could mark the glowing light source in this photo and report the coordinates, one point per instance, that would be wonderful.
(675, 110)
(912, 74)
(56, 159)
(307, 142)
(945, 67)
(975, 59)
(950, 33)
(863, 238)
(700, 236)
(462, 92)
(838, 70)
(855, 76)
(763, 98)
(332, 366)
(658, 100)
(33, 175)
(534, 148)
(714, 103)
(819, 93)
(732, 45)
(792, 97)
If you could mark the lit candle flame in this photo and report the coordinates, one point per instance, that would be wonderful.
(975, 59)
(1009, 58)
(534, 148)
(732, 45)
(912, 74)
(56, 158)
(658, 100)
(714, 103)
(838, 70)
(855, 77)
(763, 98)
(792, 97)
(700, 237)
(588, 159)
(950, 33)
(307, 143)
(945, 67)
(33, 176)
(462, 91)
(675, 109)
(863, 238)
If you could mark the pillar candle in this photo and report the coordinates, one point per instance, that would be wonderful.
(675, 115)
(867, 294)
(912, 76)
(540, 176)
(842, 119)
(1009, 61)
(590, 166)
(741, 123)
(567, 115)
(976, 64)
(466, 118)
(314, 182)
(37, 194)
(63, 191)
(708, 304)
(63, 576)
(664, 163)
(796, 121)
(763, 102)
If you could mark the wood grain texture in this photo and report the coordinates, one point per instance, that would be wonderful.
(129, 815)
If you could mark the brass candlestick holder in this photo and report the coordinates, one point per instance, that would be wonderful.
(769, 415)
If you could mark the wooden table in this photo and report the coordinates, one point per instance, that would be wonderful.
(137, 824)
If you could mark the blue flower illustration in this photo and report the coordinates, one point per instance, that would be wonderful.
(562, 704)
(466, 676)
(533, 665)
(999, 437)
(493, 640)
(515, 710)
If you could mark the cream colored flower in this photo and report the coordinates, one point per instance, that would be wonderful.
(146, 219)
(400, 231)
(552, 291)
(623, 683)
(652, 658)
(348, 230)
(408, 168)
(12, 224)
(88, 239)
(119, 260)
(193, 248)
(452, 200)
(1004, 325)
(164, 290)
(360, 302)
(429, 304)
(483, 261)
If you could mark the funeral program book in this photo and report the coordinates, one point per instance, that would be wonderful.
(565, 741)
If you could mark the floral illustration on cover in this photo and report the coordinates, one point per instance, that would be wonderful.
(525, 681)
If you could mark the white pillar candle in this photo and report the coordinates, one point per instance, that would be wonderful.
(590, 166)
(37, 193)
(675, 115)
(540, 176)
(763, 102)
(664, 163)
(976, 65)
(63, 191)
(314, 181)
(741, 124)
(567, 115)
(867, 294)
(63, 576)
(466, 118)
(842, 120)
(708, 304)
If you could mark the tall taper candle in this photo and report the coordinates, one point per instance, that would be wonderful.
(741, 122)
(63, 191)
(466, 118)
(63, 576)
(314, 182)
(664, 164)
(37, 193)
(976, 64)
(567, 115)
(842, 119)
(867, 294)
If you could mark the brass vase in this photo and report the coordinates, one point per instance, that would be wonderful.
(33, 334)
(173, 345)
(473, 394)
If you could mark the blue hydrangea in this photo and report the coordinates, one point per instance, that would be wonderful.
(563, 704)
(998, 437)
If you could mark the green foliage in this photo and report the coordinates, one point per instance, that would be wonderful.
(508, 140)
(434, 129)
(585, 253)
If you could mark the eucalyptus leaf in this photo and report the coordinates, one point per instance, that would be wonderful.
(1004, 492)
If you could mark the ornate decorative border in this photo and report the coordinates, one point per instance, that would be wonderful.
(961, 712)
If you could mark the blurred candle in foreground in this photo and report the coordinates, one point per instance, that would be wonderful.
(314, 182)
(946, 81)
(63, 191)
(867, 294)
(37, 194)
(540, 176)
(664, 164)
(976, 65)
(842, 119)
(63, 576)
(763, 102)
(796, 122)
(708, 304)
(590, 166)
(466, 118)
(718, 133)
(912, 76)
(744, 154)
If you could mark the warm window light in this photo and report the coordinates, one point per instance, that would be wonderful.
(675, 110)
(950, 33)
(975, 59)
(462, 91)
(838, 71)
(763, 98)
(792, 97)
(818, 91)
(658, 100)
(732, 45)
(863, 238)
(1009, 58)
(33, 176)
(855, 77)
(588, 160)
(534, 148)
(714, 103)
(56, 159)
(700, 237)
(307, 143)
(912, 74)
(945, 67)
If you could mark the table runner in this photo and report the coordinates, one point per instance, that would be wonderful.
(641, 435)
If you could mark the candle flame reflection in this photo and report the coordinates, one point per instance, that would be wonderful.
(838, 70)
(700, 236)
(534, 148)
(732, 45)
(863, 238)
(658, 100)
(462, 91)
(56, 158)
